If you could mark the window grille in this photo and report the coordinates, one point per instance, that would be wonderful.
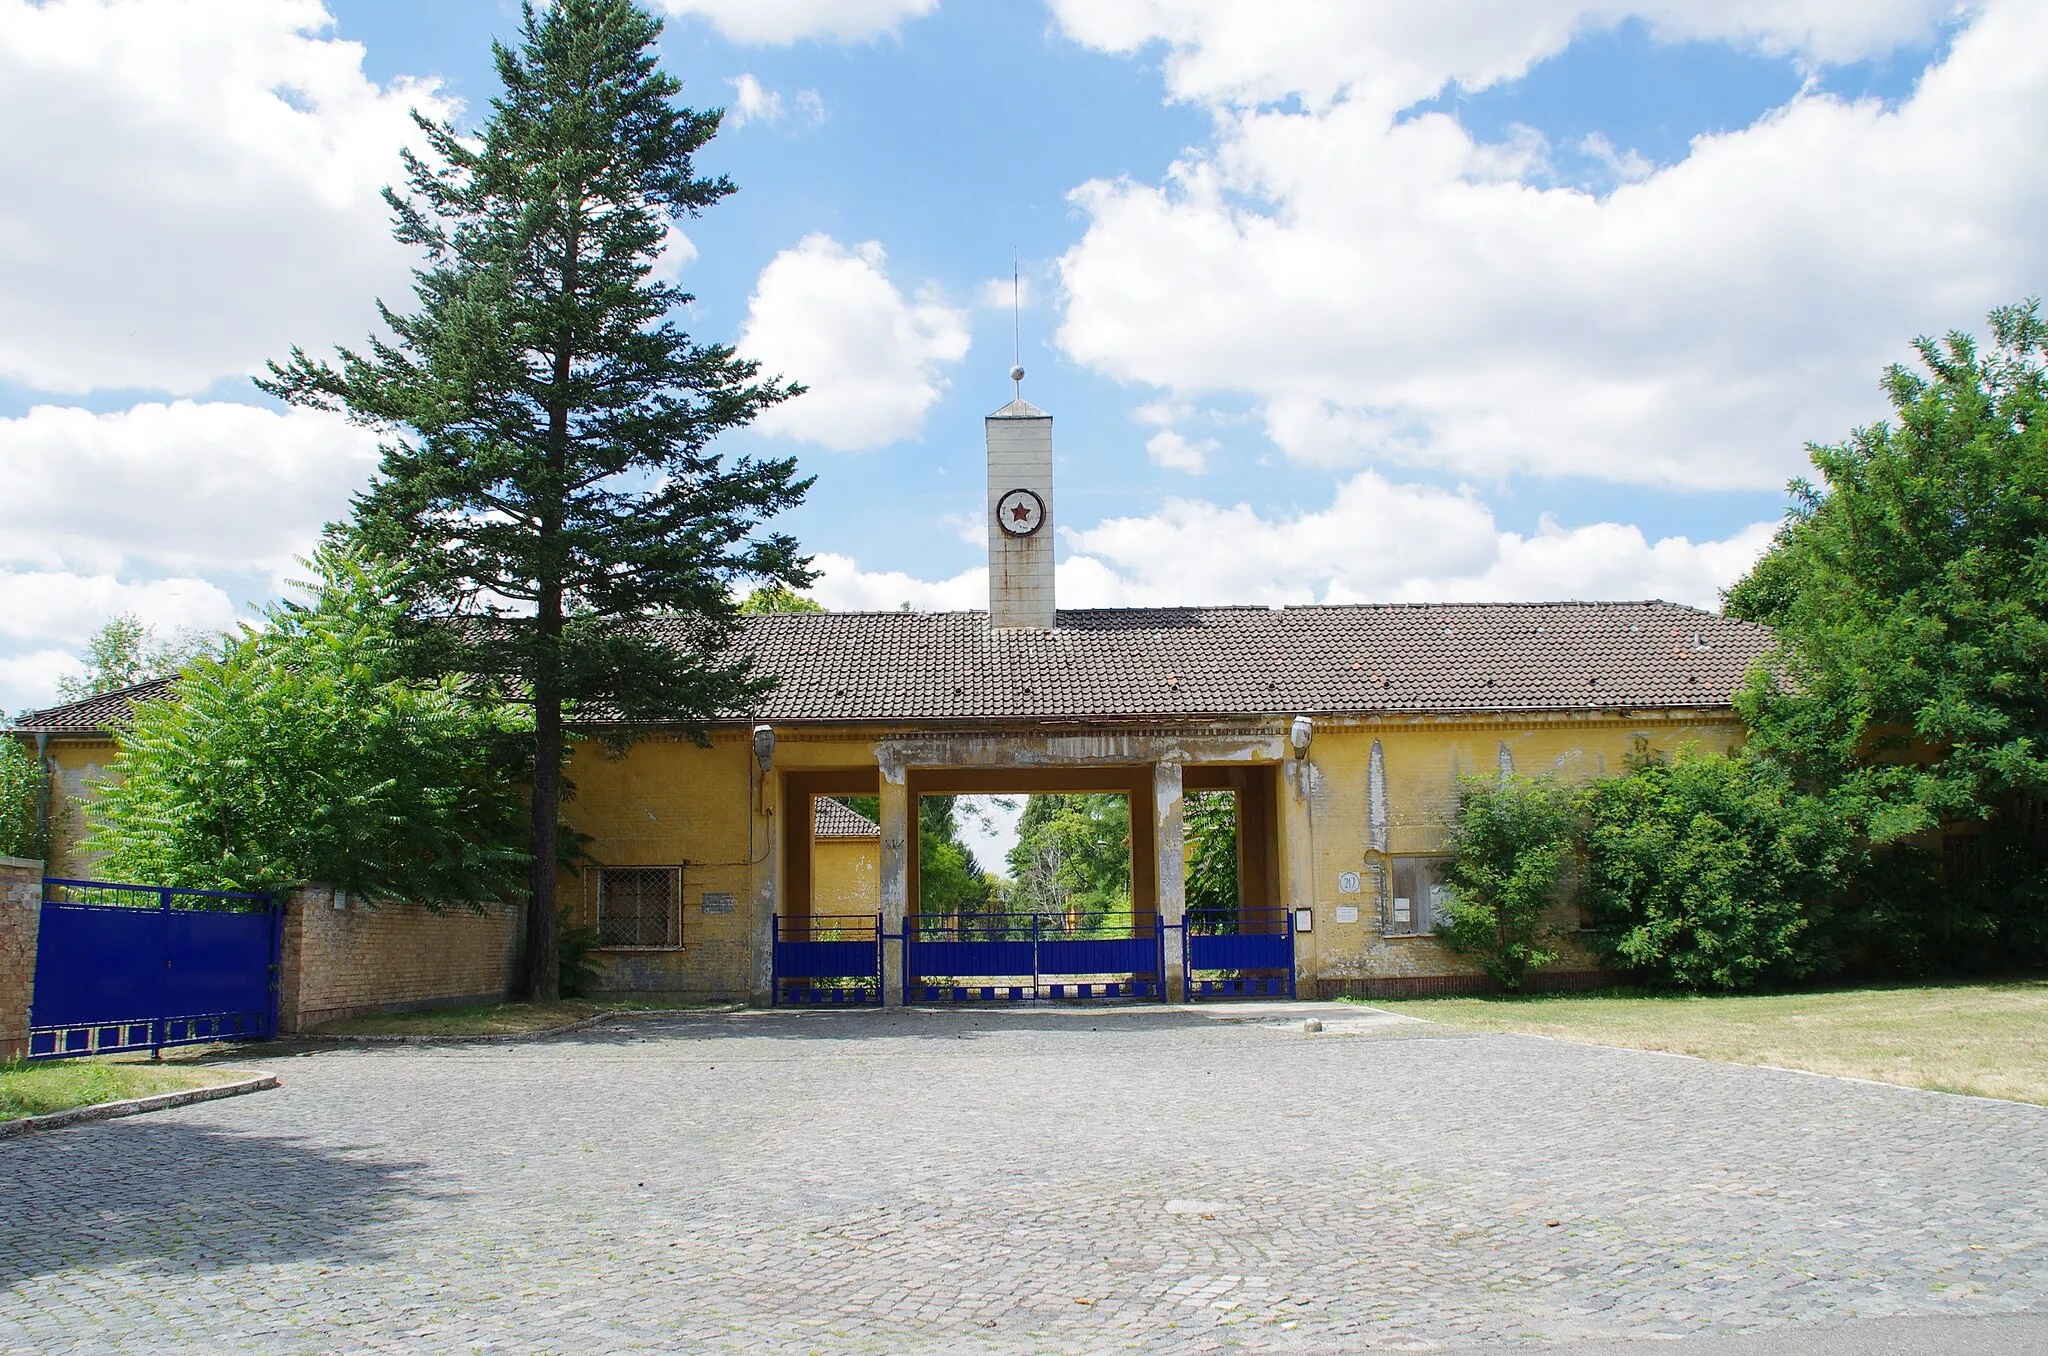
(1416, 901)
(637, 906)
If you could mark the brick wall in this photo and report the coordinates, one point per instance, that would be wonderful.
(21, 916)
(341, 962)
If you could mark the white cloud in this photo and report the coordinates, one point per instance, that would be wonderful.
(1390, 292)
(179, 487)
(1390, 55)
(830, 318)
(786, 21)
(1000, 294)
(42, 606)
(1376, 541)
(752, 102)
(192, 187)
(1173, 451)
(844, 587)
(29, 681)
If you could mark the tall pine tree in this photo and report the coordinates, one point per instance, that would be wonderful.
(547, 476)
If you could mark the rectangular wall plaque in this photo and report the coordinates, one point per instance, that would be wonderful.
(717, 903)
(1347, 913)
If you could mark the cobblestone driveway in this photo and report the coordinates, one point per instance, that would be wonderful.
(1143, 1180)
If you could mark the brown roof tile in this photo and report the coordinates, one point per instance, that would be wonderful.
(1206, 662)
(92, 715)
(836, 819)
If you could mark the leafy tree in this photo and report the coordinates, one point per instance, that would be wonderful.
(1511, 844)
(126, 651)
(1073, 855)
(547, 474)
(949, 879)
(303, 753)
(23, 785)
(1713, 873)
(1212, 857)
(776, 598)
(1909, 591)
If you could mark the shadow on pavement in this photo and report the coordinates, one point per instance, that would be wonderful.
(185, 1198)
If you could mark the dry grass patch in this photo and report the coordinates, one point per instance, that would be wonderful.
(1990, 1040)
(59, 1085)
(481, 1019)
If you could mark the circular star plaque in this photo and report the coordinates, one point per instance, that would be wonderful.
(1020, 512)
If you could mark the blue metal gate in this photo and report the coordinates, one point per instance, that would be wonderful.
(826, 961)
(137, 967)
(959, 958)
(1246, 953)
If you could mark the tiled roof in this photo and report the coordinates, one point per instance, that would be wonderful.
(836, 819)
(1210, 662)
(93, 715)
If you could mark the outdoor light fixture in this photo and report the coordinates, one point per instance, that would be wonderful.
(764, 746)
(1299, 734)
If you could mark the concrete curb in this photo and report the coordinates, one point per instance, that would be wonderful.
(135, 1106)
(502, 1037)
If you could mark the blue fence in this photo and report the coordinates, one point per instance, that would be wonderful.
(133, 967)
(960, 958)
(1247, 953)
(827, 961)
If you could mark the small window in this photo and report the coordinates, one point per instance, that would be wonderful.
(1417, 899)
(636, 906)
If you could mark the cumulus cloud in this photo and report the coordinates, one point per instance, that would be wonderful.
(1392, 290)
(66, 608)
(786, 21)
(1173, 451)
(830, 318)
(192, 188)
(1376, 541)
(178, 487)
(752, 102)
(1389, 56)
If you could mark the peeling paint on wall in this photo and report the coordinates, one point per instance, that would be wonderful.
(1376, 798)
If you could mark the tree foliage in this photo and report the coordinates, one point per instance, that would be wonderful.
(1211, 827)
(23, 786)
(1713, 873)
(304, 752)
(950, 879)
(776, 598)
(1511, 844)
(1073, 855)
(127, 651)
(1909, 592)
(547, 476)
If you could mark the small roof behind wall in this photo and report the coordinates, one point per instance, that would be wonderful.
(835, 819)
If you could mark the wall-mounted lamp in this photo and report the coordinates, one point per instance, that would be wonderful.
(1299, 734)
(764, 746)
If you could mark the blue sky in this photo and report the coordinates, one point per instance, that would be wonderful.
(1330, 301)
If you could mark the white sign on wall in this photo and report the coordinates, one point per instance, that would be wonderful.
(1347, 913)
(1347, 883)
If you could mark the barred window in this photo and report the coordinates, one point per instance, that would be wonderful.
(638, 906)
(1417, 899)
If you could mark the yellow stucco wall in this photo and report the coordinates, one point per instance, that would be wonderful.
(846, 876)
(79, 765)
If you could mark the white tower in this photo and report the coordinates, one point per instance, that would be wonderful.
(1020, 515)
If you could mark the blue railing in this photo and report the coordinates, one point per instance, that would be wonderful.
(827, 960)
(141, 967)
(956, 958)
(1245, 953)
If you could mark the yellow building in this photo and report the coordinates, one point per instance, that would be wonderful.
(1342, 732)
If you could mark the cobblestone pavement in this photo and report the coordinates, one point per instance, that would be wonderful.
(1143, 1180)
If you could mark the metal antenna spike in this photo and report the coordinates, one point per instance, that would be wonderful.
(1017, 324)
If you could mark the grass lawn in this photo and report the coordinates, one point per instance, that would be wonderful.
(481, 1019)
(59, 1085)
(1986, 1039)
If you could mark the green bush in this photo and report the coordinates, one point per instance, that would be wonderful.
(22, 784)
(1714, 873)
(575, 945)
(302, 752)
(1511, 844)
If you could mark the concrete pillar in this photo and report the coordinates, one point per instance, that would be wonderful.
(766, 882)
(1169, 830)
(895, 817)
(1298, 865)
(21, 918)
